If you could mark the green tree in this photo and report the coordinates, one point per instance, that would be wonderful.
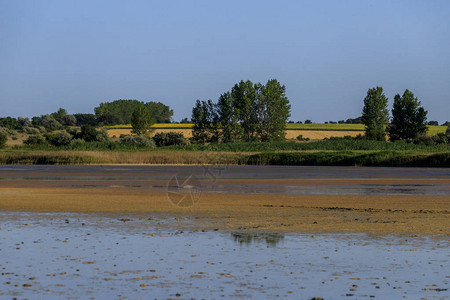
(83, 119)
(274, 111)
(375, 114)
(228, 115)
(409, 119)
(121, 111)
(141, 120)
(88, 133)
(59, 115)
(205, 120)
(244, 94)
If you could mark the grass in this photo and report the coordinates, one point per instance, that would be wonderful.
(353, 158)
(334, 144)
(117, 157)
(322, 158)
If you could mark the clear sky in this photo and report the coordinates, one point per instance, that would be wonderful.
(76, 54)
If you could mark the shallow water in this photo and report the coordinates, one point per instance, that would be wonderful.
(239, 179)
(107, 256)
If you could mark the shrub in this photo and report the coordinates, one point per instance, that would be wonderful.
(138, 140)
(3, 140)
(88, 133)
(50, 123)
(62, 138)
(74, 132)
(300, 138)
(5, 131)
(102, 136)
(30, 130)
(34, 140)
(440, 138)
(77, 143)
(169, 139)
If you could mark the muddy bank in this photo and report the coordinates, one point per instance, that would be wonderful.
(291, 199)
(300, 213)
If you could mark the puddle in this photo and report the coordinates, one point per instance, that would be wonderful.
(55, 256)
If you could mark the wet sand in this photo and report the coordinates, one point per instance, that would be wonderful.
(303, 199)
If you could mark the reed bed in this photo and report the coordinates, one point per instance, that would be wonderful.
(318, 158)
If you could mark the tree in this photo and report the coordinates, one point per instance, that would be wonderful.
(274, 111)
(251, 112)
(308, 121)
(185, 121)
(433, 123)
(375, 114)
(59, 115)
(408, 117)
(83, 119)
(69, 120)
(121, 111)
(161, 113)
(205, 120)
(141, 120)
(228, 115)
(88, 133)
(200, 116)
(245, 93)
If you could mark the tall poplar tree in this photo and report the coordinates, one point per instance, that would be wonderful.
(375, 114)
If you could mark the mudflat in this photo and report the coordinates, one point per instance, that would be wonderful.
(295, 199)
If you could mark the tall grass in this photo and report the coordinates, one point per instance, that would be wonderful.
(336, 144)
(353, 158)
(118, 157)
(335, 158)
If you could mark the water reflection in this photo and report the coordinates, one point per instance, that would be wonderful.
(271, 239)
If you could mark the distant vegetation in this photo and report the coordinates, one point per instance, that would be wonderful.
(249, 112)
(246, 125)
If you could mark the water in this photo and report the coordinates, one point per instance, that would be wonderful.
(55, 256)
(240, 179)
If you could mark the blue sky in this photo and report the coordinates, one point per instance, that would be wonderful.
(76, 54)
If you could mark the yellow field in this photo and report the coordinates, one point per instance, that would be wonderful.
(290, 134)
(432, 130)
(187, 133)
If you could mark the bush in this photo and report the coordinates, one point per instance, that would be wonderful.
(300, 138)
(88, 133)
(169, 139)
(138, 140)
(30, 130)
(50, 123)
(5, 131)
(77, 143)
(74, 132)
(62, 138)
(35, 140)
(3, 140)
(102, 136)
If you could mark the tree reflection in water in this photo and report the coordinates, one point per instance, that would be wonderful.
(271, 239)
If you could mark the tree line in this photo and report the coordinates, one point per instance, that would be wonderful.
(248, 112)
(117, 112)
(409, 118)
